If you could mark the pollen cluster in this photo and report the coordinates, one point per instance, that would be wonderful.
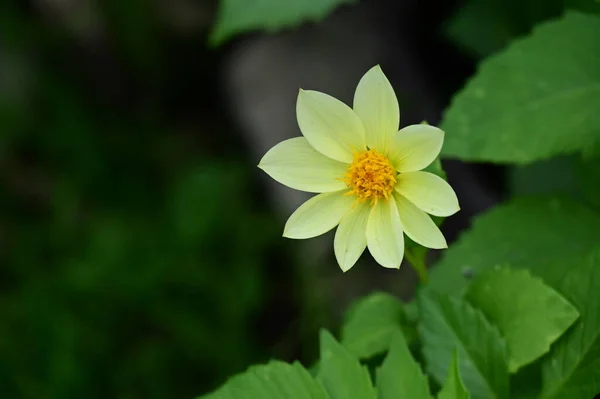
(371, 176)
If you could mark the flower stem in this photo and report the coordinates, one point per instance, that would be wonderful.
(416, 257)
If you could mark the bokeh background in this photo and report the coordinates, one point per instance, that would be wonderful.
(140, 248)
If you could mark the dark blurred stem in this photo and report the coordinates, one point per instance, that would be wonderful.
(416, 258)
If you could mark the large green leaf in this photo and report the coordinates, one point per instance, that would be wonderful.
(273, 380)
(530, 315)
(451, 324)
(237, 16)
(341, 373)
(400, 376)
(370, 324)
(544, 235)
(453, 387)
(572, 370)
(537, 98)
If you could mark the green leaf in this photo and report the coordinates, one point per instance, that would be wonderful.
(450, 324)
(274, 380)
(454, 387)
(341, 373)
(370, 324)
(543, 235)
(530, 315)
(535, 99)
(573, 368)
(237, 16)
(400, 376)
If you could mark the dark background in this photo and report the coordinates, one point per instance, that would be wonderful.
(140, 247)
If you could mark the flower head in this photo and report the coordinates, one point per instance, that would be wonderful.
(367, 172)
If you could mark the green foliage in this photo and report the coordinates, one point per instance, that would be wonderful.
(450, 324)
(133, 260)
(453, 387)
(341, 373)
(573, 368)
(400, 376)
(524, 233)
(530, 314)
(274, 380)
(371, 323)
(510, 309)
(237, 16)
(548, 104)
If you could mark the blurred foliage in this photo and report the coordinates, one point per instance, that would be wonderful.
(482, 27)
(238, 16)
(133, 248)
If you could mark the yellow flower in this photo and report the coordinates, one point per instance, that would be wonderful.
(368, 173)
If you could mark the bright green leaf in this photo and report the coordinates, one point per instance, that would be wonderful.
(572, 370)
(341, 373)
(274, 380)
(530, 315)
(454, 387)
(544, 235)
(451, 324)
(400, 376)
(237, 16)
(370, 324)
(537, 98)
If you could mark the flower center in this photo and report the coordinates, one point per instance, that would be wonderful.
(371, 176)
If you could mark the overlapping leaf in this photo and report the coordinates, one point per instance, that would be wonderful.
(450, 324)
(370, 324)
(453, 387)
(341, 373)
(545, 235)
(400, 376)
(573, 368)
(530, 315)
(274, 380)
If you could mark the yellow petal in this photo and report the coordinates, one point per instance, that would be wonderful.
(384, 234)
(418, 225)
(318, 215)
(329, 125)
(415, 147)
(350, 237)
(296, 164)
(428, 192)
(377, 106)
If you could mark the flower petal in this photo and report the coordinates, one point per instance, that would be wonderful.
(377, 106)
(329, 125)
(384, 234)
(415, 147)
(418, 225)
(350, 237)
(318, 215)
(428, 192)
(296, 164)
